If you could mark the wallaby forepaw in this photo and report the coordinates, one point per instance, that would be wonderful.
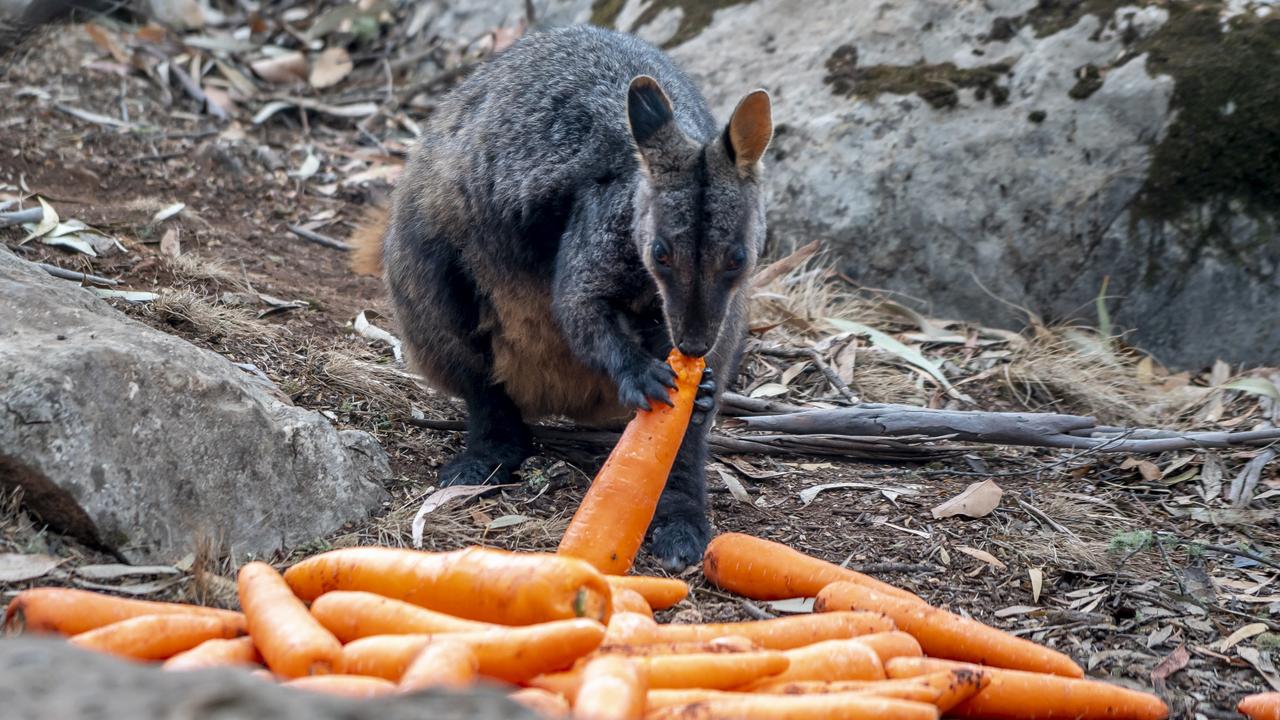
(705, 401)
(471, 469)
(678, 541)
(646, 385)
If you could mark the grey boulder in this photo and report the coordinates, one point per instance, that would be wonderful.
(140, 442)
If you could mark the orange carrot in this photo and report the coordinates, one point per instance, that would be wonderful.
(889, 645)
(715, 671)
(510, 654)
(661, 593)
(835, 706)
(944, 690)
(609, 526)
(781, 633)
(727, 644)
(546, 704)
(1012, 692)
(826, 660)
(156, 637)
(625, 600)
(293, 643)
(946, 635)
(216, 653)
(765, 570)
(71, 612)
(613, 688)
(1263, 706)
(475, 583)
(442, 663)
(352, 615)
(354, 686)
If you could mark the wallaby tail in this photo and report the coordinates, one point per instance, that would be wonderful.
(366, 242)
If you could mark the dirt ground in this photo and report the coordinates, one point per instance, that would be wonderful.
(1137, 567)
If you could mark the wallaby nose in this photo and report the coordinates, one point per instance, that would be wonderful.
(694, 348)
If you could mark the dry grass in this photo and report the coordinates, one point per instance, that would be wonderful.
(1074, 369)
(210, 320)
(382, 383)
(193, 268)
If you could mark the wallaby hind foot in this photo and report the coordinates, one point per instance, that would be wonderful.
(497, 442)
(680, 531)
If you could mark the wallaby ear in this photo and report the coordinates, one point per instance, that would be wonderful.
(750, 129)
(648, 111)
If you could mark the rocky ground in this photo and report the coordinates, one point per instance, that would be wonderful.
(1146, 569)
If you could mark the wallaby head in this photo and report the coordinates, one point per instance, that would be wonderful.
(699, 209)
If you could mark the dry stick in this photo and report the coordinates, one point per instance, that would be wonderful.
(815, 357)
(735, 405)
(1030, 429)
(30, 215)
(878, 449)
(318, 239)
(196, 93)
(65, 274)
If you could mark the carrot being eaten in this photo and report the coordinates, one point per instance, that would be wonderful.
(1011, 692)
(947, 635)
(765, 570)
(156, 637)
(351, 615)
(661, 593)
(476, 583)
(835, 706)
(781, 633)
(613, 688)
(71, 612)
(216, 652)
(293, 643)
(609, 526)
(510, 654)
(1262, 706)
(442, 664)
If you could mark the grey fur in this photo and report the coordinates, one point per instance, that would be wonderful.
(521, 251)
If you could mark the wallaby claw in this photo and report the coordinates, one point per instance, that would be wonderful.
(650, 382)
(705, 401)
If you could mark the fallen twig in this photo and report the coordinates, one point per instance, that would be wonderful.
(197, 93)
(318, 239)
(18, 217)
(65, 274)
(816, 358)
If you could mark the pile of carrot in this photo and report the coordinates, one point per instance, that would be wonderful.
(570, 635)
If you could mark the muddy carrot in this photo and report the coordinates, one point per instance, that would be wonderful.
(835, 706)
(714, 671)
(155, 637)
(476, 583)
(946, 635)
(547, 704)
(625, 600)
(927, 689)
(727, 644)
(290, 639)
(1011, 693)
(353, 686)
(442, 663)
(1262, 706)
(71, 612)
(511, 654)
(609, 526)
(765, 570)
(781, 633)
(352, 615)
(613, 688)
(661, 593)
(216, 653)
(827, 660)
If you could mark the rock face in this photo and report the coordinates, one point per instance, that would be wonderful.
(1029, 150)
(43, 679)
(141, 442)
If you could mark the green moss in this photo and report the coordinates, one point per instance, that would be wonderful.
(1088, 81)
(1223, 148)
(936, 84)
(695, 15)
(1051, 16)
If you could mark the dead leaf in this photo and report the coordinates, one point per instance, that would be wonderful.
(1171, 664)
(18, 567)
(1211, 474)
(781, 267)
(1261, 663)
(331, 67)
(104, 40)
(169, 243)
(310, 166)
(792, 606)
(1239, 636)
(982, 555)
(115, 570)
(48, 221)
(129, 296)
(808, 494)
(769, 390)
(1149, 470)
(978, 500)
(149, 588)
(281, 69)
(167, 212)
(442, 496)
(732, 482)
(1037, 583)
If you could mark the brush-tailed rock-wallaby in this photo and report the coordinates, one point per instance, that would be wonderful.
(571, 212)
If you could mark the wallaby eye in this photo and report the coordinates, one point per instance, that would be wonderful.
(736, 258)
(661, 253)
